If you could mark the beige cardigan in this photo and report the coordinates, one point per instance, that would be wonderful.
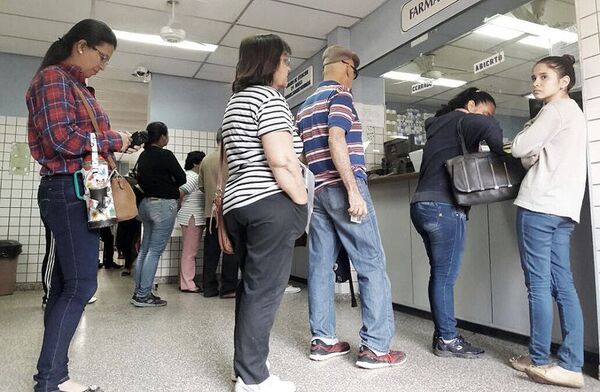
(553, 147)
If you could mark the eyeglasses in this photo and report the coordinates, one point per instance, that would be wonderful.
(286, 60)
(104, 58)
(353, 68)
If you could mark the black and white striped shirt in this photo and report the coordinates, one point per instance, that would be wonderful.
(251, 114)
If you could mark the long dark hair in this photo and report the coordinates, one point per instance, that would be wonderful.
(94, 32)
(563, 66)
(461, 100)
(258, 60)
(193, 158)
(155, 131)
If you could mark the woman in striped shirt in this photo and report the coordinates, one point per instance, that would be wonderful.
(191, 219)
(264, 201)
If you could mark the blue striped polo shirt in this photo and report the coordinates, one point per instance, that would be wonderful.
(331, 105)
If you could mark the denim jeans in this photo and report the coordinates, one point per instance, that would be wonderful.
(330, 225)
(158, 218)
(442, 227)
(74, 278)
(544, 245)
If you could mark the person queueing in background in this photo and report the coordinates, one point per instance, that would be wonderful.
(264, 203)
(191, 219)
(59, 134)
(553, 148)
(209, 171)
(436, 216)
(160, 176)
(128, 232)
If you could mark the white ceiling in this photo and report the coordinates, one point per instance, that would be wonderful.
(28, 27)
(508, 82)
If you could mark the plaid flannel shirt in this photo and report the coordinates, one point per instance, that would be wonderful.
(59, 126)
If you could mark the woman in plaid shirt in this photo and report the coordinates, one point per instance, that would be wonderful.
(59, 131)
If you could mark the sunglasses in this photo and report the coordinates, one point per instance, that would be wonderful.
(353, 68)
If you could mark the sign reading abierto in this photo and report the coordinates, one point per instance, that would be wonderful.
(415, 88)
(489, 62)
(299, 83)
(418, 11)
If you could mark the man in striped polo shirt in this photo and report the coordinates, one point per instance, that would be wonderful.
(343, 215)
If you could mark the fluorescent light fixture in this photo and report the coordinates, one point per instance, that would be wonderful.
(413, 77)
(529, 96)
(156, 40)
(448, 82)
(538, 42)
(403, 76)
(498, 32)
(553, 34)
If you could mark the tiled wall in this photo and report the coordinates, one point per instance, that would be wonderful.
(588, 15)
(19, 214)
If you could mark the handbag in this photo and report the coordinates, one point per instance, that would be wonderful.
(122, 193)
(483, 177)
(217, 210)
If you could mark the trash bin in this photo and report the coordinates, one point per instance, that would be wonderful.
(9, 254)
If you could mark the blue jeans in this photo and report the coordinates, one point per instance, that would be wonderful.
(544, 244)
(442, 227)
(158, 218)
(330, 226)
(74, 278)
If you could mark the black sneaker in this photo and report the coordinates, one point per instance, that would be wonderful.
(434, 340)
(458, 347)
(149, 301)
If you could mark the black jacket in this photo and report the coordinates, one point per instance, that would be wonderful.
(159, 173)
(443, 143)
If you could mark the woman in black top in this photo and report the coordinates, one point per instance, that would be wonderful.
(159, 176)
(435, 214)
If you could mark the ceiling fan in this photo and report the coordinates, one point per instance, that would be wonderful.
(172, 33)
(427, 70)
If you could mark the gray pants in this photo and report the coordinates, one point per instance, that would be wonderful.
(263, 235)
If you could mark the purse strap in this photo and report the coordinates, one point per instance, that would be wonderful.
(96, 128)
(220, 172)
(463, 145)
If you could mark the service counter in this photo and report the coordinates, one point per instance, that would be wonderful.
(490, 290)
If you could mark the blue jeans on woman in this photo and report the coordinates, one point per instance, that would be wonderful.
(442, 227)
(544, 245)
(74, 278)
(158, 218)
(330, 226)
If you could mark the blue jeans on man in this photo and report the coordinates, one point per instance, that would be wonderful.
(158, 218)
(544, 245)
(442, 227)
(330, 226)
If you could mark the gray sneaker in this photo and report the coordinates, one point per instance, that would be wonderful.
(149, 301)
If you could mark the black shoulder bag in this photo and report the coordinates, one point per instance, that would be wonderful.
(483, 177)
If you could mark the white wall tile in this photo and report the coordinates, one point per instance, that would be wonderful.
(591, 67)
(588, 26)
(590, 46)
(592, 88)
(592, 109)
(595, 174)
(585, 7)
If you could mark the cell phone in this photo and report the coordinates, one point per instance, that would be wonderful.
(355, 219)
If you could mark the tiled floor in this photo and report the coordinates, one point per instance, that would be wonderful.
(188, 346)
